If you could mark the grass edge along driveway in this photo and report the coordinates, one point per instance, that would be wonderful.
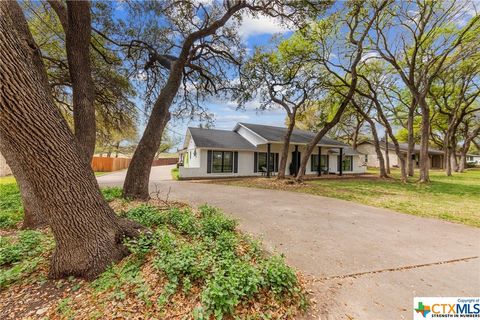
(454, 199)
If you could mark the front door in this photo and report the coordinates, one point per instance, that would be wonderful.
(295, 164)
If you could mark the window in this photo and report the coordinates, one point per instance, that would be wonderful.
(222, 161)
(262, 162)
(347, 163)
(366, 158)
(323, 162)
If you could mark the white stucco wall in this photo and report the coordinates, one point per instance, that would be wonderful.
(193, 155)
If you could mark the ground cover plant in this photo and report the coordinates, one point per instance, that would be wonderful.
(192, 264)
(452, 198)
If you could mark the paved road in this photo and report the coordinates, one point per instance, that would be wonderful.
(368, 262)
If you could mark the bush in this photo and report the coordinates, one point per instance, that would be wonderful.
(111, 193)
(146, 215)
(213, 222)
(279, 277)
(227, 287)
(183, 220)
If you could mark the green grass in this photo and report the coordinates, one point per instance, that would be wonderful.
(175, 174)
(455, 198)
(11, 210)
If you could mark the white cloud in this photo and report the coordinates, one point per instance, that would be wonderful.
(231, 118)
(260, 25)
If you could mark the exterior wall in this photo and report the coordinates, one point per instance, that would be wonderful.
(250, 136)
(4, 168)
(191, 156)
(246, 163)
(372, 159)
(245, 166)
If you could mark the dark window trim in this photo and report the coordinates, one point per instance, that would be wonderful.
(223, 162)
(343, 161)
(314, 168)
(273, 163)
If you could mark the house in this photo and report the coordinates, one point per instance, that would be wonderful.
(473, 158)
(368, 148)
(255, 150)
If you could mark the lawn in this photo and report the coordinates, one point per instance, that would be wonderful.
(455, 198)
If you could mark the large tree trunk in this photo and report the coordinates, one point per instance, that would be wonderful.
(286, 145)
(387, 155)
(138, 174)
(424, 142)
(87, 232)
(33, 216)
(378, 150)
(76, 22)
(411, 139)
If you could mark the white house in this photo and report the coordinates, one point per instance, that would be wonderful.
(371, 159)
(473, 158)
(254, 150)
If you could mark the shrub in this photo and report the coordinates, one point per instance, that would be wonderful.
(146, 215)
(111, 193)
(227, 287)
(183, 220)
(213, 224)
(279, 277)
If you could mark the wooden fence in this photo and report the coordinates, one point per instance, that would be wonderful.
(164, 162)
(106, 164)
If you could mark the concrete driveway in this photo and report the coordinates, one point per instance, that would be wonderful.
(364, 262)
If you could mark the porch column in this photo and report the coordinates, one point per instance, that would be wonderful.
(319, 161)
(268, 160)
(295, 161)
(340, 169)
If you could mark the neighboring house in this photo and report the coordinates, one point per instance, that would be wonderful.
(368, 148)
(473, 158)
(244, 152)
(4, 168)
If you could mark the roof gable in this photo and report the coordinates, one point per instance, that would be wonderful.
(219, 139)
(277, 134)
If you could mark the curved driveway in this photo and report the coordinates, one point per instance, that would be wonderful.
(364, 262)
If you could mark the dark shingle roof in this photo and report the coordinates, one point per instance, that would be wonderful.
(404, 147)
(219, 139)
(271, 133)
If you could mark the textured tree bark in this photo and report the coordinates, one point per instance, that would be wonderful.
(33, 216)
(76, 22)
(87, 232)
(286, 145)
(424, 162)
(138, 174)
(411, 139)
